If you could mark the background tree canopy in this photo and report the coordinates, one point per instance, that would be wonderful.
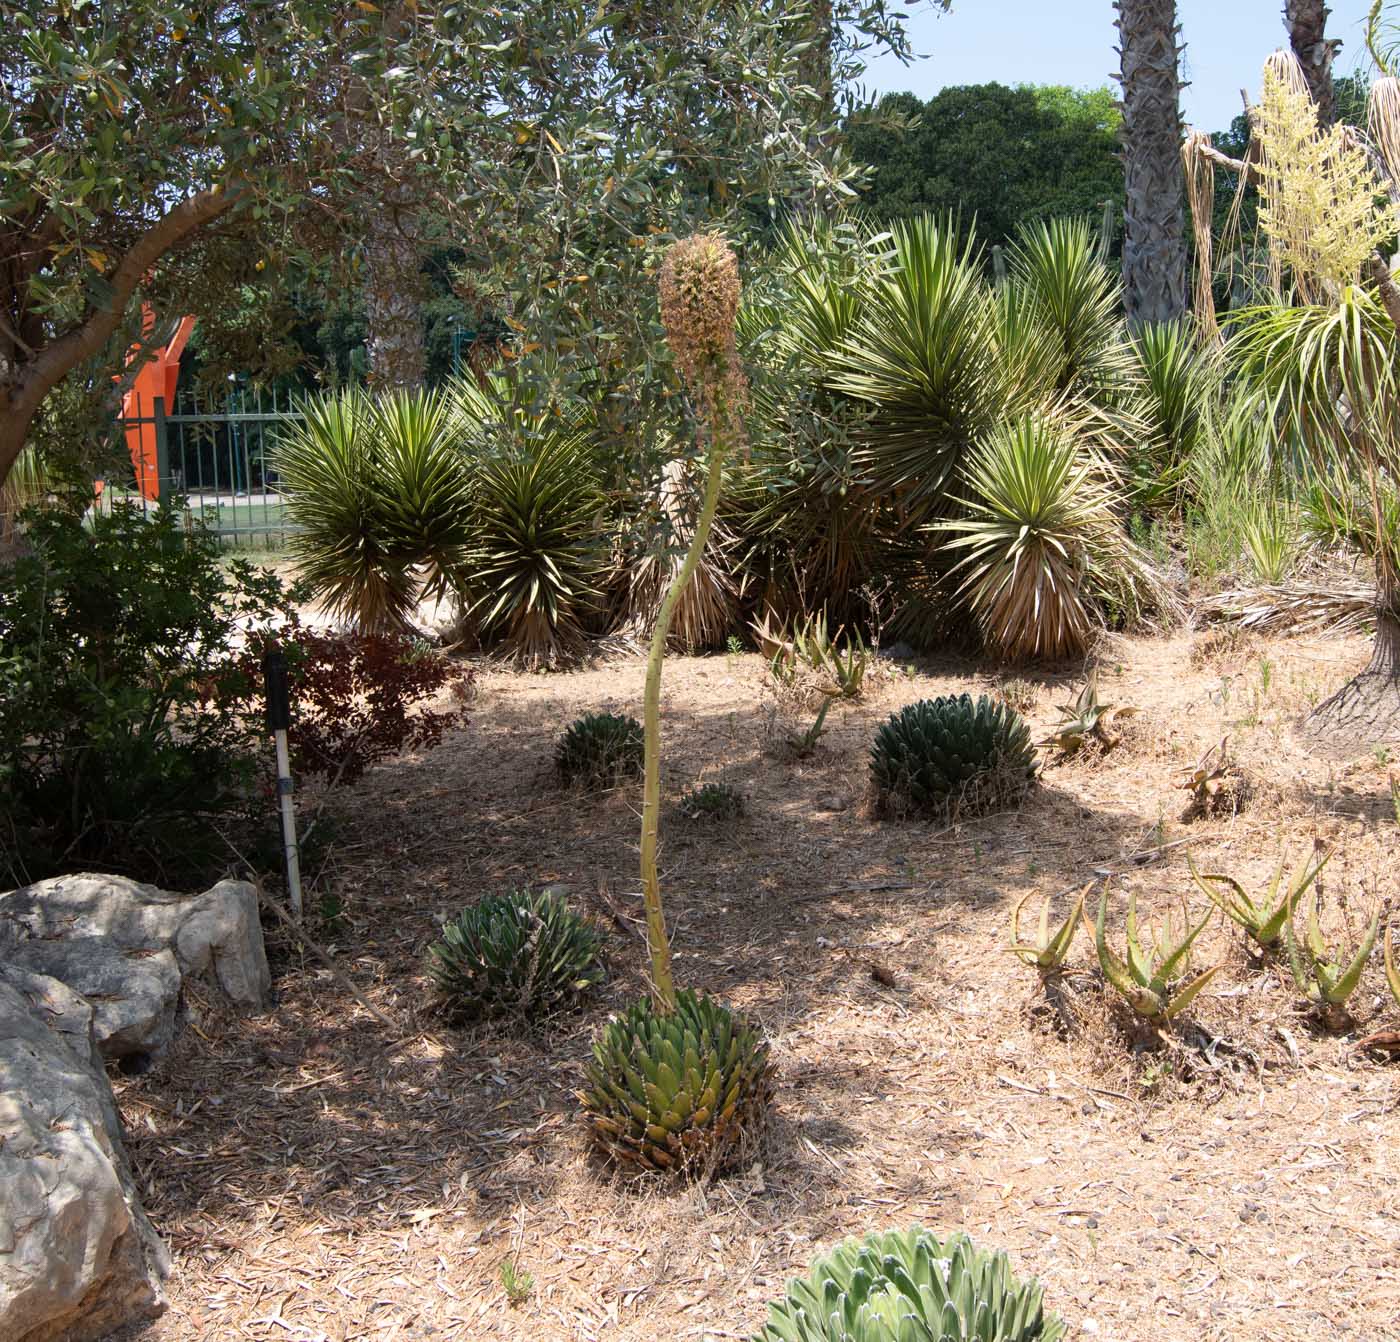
(1001, 154)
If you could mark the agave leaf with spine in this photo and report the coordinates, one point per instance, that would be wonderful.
(1317, 968)
(1262, 919)
(1147, 979)
(1047, 952)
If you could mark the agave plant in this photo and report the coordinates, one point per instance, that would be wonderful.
(1086, 719)
(1048, 951)
(1152, 980)
(1321, 972)
(951, 752)
(684, 1091)
(377, 490)
(536, 554)
(908, 1286)
(1042, 542)
(600, 749)
(712, 801)
(520, 953)
(1263, 919)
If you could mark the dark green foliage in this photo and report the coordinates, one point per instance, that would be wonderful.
(516, 954)
(952, 753)
(907, 1286)
(685, 1093)
(1000, 155)
(600, 749)
(712, 801)
(125, 730)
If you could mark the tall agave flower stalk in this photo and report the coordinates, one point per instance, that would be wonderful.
(699, 287)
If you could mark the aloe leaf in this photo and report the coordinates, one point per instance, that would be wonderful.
(1183, 999)
(1344, 984)
(1183, 948)
(1392, 974)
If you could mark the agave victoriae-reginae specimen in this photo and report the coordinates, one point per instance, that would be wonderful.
(1152, 979)
(1048, 951)
(908, 1286)
(1321, 972)
(952, 753)
(679, 1092)
(599, 750)
(679, 1083)
(520, 953)
(1087, 720)
(1264, 919)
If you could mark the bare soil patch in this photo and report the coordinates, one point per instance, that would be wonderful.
(318, 1179)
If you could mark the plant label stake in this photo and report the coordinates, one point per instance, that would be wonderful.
(279, 720)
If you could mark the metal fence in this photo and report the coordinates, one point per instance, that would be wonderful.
(217, 456)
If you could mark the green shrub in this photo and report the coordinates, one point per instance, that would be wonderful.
(515, 954)
(681, 1093)
(712, 801)
(950, 753)
(600, 749)
(907, 1286)
(127, 730)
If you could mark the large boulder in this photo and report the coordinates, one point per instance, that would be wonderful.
(78, 1258)
(128, 948)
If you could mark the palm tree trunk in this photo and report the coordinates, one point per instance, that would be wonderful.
(1154, 243)
(1307, 35)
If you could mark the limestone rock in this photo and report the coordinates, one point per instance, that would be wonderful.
(78, 1257)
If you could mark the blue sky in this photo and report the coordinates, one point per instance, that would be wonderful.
(1073, 42)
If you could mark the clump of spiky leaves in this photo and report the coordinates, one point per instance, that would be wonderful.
(378, 491)
(1215, 783)
(535, 553)
(1153, 979)
(1022, 695)
(1322, 972)
(908, 1286)
(1392, 973)
(1048, 951)
(812, 644)
(600, 750)
(712, 801)
(1043, 548)
(952, 754)
(1087, 721)
(1263, 919)
(517, 954)
(680, 1091)
(1179, 382)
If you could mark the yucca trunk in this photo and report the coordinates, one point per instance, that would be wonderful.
(1154, 247)
(1307, 35)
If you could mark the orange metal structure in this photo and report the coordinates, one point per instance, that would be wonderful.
(156, 377)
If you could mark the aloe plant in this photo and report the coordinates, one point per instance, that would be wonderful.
(1086, 719)
(1047, 952)
(1263, 919)
(1150, 980)
(1318, 969)
(1392, 974)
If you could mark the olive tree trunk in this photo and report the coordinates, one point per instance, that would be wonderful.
(1154, 241)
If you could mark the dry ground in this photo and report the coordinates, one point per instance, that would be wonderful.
(321, 1178)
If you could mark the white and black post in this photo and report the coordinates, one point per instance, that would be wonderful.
(279, 720)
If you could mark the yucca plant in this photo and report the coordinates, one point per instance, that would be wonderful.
(908, 1286)
(685, 1091)
(1263, 919)
(1049, 950)
(950, 753)
(1152, 979)
(522, 954)
(377, 491)
(600, 750)
(1085, 720)
(1179, 383)
(536, 551)
(1321, 972)
(1041, 543)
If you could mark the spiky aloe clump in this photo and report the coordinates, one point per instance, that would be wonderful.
(519, 953)
(952, 753)
(600, 749)
(679, 1092)
(907, 1285)
(712, 801)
